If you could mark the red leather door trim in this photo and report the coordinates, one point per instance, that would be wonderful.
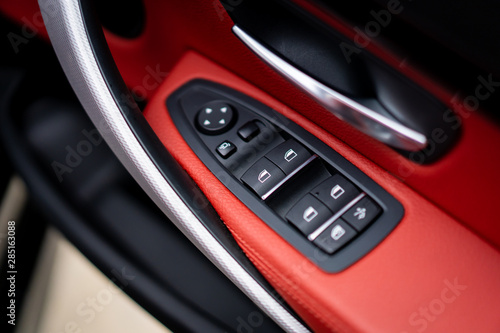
(204, 26)
(405, 274)
(430, 274)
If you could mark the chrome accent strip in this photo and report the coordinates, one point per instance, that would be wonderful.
(334, 218)
(293, 173)
(64, 23)
(364, 119)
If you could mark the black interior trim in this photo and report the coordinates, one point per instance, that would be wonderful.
(199, 92)
(167, 165)
(325, 54)
(105, 214)
(125, 18)
(454, 42)
(95, 247)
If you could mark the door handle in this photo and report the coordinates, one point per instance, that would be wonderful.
(366, 120)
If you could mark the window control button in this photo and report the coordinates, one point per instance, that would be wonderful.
(335, 192)
(361, 214)
(248, 131)
(262, 176)
(335, 236)
(308, 214)
(226, 149)
(288, 155)
(215, 118)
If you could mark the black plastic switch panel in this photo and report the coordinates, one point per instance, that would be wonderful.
(288, 156)
(226, 149)
(215, 118)
(249, 147)
(262, 176)
(248, 131)
(308, 214)
(335, 192)
(361, 214)
(335, 236)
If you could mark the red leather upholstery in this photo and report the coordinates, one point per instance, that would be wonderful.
(176, 26)
(430, 274)
(392, 288)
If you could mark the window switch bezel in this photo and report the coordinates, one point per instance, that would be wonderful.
(199, 92)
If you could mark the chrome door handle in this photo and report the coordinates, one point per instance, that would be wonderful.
(372, 123)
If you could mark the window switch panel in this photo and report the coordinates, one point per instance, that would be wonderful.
(335, 192)
(308, 214)
(362, 214)
(288, 156)
(299, 186)
(262, 176)
(335, 236)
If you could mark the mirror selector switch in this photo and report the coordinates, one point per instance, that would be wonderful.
(335, 192)
(248, 131)
(215, 118)
(335, 236)
(362, 213)
(262, 176)
(308, 214)
(289, 155)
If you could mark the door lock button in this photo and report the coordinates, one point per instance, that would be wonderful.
(308, 214)
(289, 155)
(335, 192)
(262, 176)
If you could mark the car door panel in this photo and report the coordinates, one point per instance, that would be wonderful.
(414, 265)
(437, 271)
(439, 182)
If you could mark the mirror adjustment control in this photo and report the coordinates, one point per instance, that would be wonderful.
(215, 118)
(335, 236)
(308, 214)
(361, 214)
(288, 156)
(335, 192)
(262, 176)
